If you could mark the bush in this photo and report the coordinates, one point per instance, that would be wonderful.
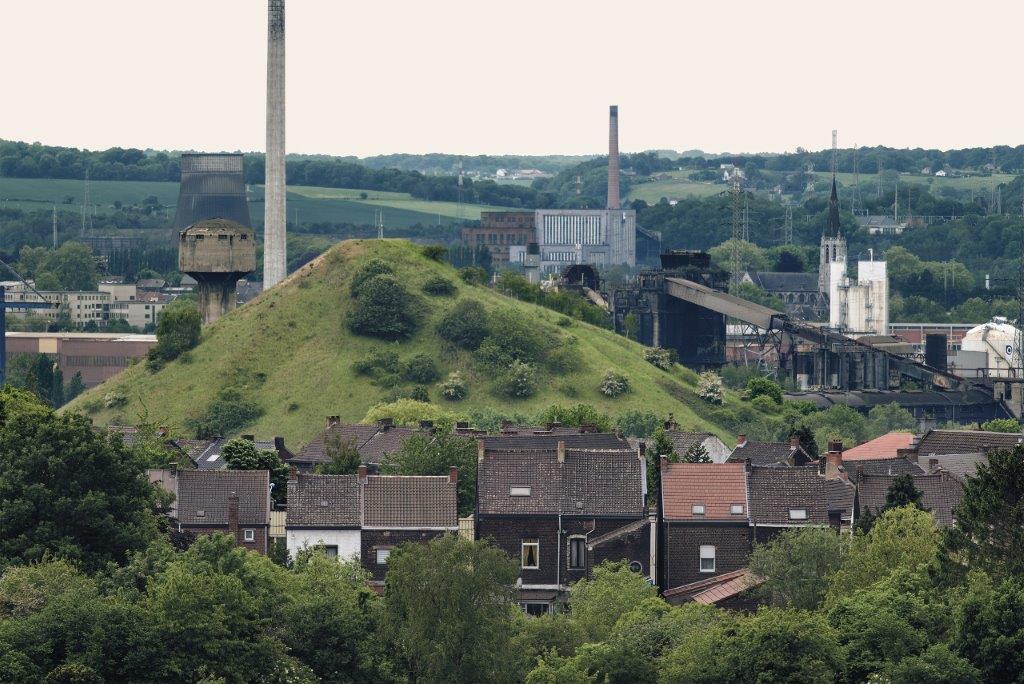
(384, 309)
(383, 360)
(512, 337)
(1001, 425)
(228, 412)
(420, 393)
(454, 388)
(638, 423)
(177, 330)
(439, 285)
(709, 387)
(658, 357)
(473, 275)
(757, 387)
(465, 325)
(409, 412)
(434, 252)
(519, 381)
(614, 384)
(575, 416)
(369, 270)
(115, 399)
(420, 369)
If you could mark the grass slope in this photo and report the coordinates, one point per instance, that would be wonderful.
(678, 186)
(289, 351)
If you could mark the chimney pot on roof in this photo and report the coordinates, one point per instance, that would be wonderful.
(426, 425)
(361, 472)
(333, 420)
(506, 424)
(663, 463)
(794, 442)
(561, 451)
(834, 460)
(586, 428)
(249, 438)
(386, 423)
(453, 474)
(933, 465)
(278, 443)
(642, 448)
(480, 448)
(233, 518)
(553, 424)
(741, 441)
(461, 425)
(293, 473)
(748, 465)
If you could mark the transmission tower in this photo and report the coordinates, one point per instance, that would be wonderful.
(855, 200)
(787, 226)
(737, 232)
(55, 226)
(458, 210)
(835, 139)
(746, 217)
(85, 203)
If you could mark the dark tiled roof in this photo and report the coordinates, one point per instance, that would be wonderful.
(762, 453)
(324, 501)
(940, 493)
(840, 496)
(210, 458)
(775, 281)
(590, 482)
(208, 492)
(716, 486)
(194, 447)
(775, 491)
(965, 441)
(373, 441)
(960, 466)
(592, 440)
(683, 441)
(410, 501)
(884, 466)
(619, 533)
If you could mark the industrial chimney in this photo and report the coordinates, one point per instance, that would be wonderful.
(274, 243)
(613, 158)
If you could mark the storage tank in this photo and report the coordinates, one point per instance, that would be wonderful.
(216, 252)
(997, 339)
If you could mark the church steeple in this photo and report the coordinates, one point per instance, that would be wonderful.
(832, 227)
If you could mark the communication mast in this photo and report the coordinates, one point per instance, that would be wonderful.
(787, 226)
(855, 200)
(55, 226)
(737, 232)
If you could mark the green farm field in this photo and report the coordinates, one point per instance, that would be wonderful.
(679, 186)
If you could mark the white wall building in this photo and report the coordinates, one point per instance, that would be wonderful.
(342, 544)
(860, 306)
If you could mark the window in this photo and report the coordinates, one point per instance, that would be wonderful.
(519, 491)
(698, 509)
(331, 551)
(383, 555)
(577, 553)
(531, 554)
(250, 535)
(736, 509)
(798, 514)
(707, 559)
(200, 514)
(535, 608)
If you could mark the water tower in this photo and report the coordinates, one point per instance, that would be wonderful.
(216, 252)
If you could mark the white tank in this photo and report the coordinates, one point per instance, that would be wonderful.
(998, 339)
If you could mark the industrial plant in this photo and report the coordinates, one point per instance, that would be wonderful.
(216, 252)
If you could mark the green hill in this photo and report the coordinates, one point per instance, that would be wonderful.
(290, 352)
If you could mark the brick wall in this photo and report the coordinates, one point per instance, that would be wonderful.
(259, 545)
(508, 533)
(373, 539)
(682, 550)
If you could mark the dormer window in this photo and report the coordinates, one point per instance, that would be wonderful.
(798, 514)
(698, 509)
(200, 514)
(736, 509)
(324, 503)
(519, 491)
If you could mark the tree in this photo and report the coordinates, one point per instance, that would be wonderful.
(776, 645)
(989, 522)
(795, 566)
(638, 423)
(449, 609)
(343, 457)
(423, 454)
(384, 309)
(696, 454)
(938, 664)
(887, 418)
(1001, 425)
(68, 490)
(611, 591)
(177, 330)
(807, 440)
(752, 257)
(465, 325)
(989, 627)
(757, 387)
(74, 387)
(242, 454)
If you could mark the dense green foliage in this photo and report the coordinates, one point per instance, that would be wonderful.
(423, 454)
(177, 331)
(242, 454)
(384, 309)
(228, 411)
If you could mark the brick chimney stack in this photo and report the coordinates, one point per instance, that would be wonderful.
(613, 158)
(480, 448)
(834, 460)
(561, 451)
(233, 518)
(741, 441)
(453, 474)
(361, 473)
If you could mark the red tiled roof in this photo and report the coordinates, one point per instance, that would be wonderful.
(885, 446)
(715, 485)
(718, 588)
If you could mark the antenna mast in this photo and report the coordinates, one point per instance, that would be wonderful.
(55, 226)
(737, 231)
(856, 181)
(787, 226)
(835, 138)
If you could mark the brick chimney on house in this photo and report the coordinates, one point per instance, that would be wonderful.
(561, 451)
(386, 423)
(794, 442)
(453, 474)
(332, 421)
(834, 461)
(613, 158)
(480, 448)
(741, 441)
(361, 473)
(233, 519)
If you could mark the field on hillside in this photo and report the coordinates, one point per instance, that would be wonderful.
(331, 205)
(976, 183)
(290, 352)
(678, 187)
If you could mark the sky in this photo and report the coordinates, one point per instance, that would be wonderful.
(514, 77)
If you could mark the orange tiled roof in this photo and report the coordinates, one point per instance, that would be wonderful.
(885, 446)
(717, 486)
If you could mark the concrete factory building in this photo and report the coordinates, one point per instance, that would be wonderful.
(216, 252)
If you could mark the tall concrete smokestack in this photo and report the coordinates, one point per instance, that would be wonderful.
(613, 158)
(275, 256)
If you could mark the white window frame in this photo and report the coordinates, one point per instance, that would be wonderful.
(331, 550)
(522, 554)
(523, 605)
(736, 509)
(386, 550)
(798, 514)
(249, 535)
(582, 541)
(519, 491)
(707, 552)
(702, 509)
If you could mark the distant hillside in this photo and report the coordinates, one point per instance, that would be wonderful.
(290, 352)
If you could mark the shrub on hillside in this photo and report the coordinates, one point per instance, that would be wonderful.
(709, 387)
(228, 412)
(439, 286)
(473, 275)
(420, 393)
(383, 309)
(614, 384)
(764, 387)
(575, 416)
(378, 361)
(434, 252)
(519, 380)
(410, 412)
(660, 358)
(420, 369)
(512, 337)
(638, 423)
(465, 324)
(178, 329)
(369, 270)
(454, 388)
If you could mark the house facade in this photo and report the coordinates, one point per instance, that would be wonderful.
(235, 502)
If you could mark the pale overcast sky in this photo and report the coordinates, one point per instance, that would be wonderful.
(519, 76)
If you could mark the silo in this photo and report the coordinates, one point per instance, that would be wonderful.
(216, 252)
(212, 186)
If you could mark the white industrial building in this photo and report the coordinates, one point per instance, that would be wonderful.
(860, 306)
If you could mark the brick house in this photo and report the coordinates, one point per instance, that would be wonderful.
(236, 502)
(770, 453)
(941, 493)
(366, 516)
(560, 511)
(786, 497)
(683, 441)
(705, 517)
(374, 441)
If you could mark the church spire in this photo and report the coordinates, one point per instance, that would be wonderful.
(832, 227)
